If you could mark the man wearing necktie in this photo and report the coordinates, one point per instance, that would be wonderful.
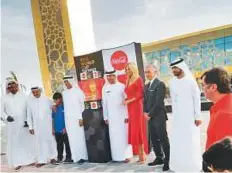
(155, 113)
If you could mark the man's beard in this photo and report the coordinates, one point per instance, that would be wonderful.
(177, 74)
(14, 92)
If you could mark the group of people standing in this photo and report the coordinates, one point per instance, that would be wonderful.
(129, 111)
(145, 106)
(38, 128)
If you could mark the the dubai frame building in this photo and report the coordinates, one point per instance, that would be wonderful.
(63, 29)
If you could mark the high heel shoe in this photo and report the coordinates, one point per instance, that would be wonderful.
(140, 162)
(142, 159)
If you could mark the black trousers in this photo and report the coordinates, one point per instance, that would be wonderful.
(61, 140)
(160, 140)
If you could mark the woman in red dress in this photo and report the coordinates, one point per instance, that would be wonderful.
(137, 123)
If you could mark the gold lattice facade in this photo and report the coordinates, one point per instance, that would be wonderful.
(54, 43)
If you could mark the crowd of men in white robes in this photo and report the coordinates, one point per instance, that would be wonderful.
(36, 144)
(30, 136)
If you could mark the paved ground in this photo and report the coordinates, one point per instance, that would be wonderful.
(108, 167)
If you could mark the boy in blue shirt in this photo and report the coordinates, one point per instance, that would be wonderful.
(59, 129)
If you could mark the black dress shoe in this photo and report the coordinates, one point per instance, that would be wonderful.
(156, 162)
(54, 162)
(166, 167)
(81, 161)
(68, 160)
(59, 160)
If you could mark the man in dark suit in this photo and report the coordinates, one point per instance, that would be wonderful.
(155, 113)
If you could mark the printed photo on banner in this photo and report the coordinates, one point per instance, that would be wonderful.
(89, 66)
(92, 88)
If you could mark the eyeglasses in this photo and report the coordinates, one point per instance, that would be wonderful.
(206, 86)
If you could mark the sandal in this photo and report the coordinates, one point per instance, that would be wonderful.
(40, 165)
(142, 159)
(142, 162)
(127, 161)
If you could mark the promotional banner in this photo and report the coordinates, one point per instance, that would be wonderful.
(117, 58)
(90, 72)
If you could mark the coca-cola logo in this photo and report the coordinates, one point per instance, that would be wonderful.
(119, 60)
(93, 105)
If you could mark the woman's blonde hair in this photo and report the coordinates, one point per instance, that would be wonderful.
(133, 67)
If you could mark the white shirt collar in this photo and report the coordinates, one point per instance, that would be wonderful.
(151, 81)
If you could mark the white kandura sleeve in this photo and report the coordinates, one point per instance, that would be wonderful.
(25, 109)
(51, 103)
(81, 102)
(3, 110)
(24, 97)
(29, 117)
(172, 95)
(124, 97)
(104, 104)
(196, 96)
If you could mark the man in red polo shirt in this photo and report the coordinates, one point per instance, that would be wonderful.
(216, 85)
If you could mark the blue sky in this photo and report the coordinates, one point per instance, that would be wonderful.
(127, 21)
(18, 45)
